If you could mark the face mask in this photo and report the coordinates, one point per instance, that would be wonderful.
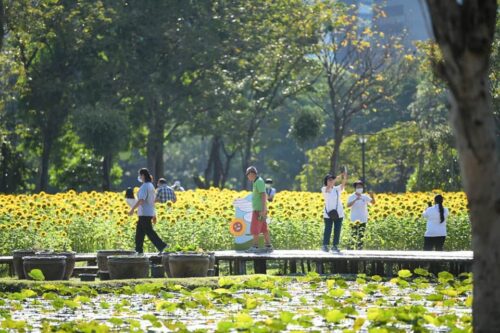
(359, 190)
(139, 179)
(268, 185)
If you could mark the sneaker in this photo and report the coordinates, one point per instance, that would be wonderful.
(324, 248)
(269, 248)
(335, 249)
(253, 249)
(160, 253)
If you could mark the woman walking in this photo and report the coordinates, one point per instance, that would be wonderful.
(147, 215)
(435, 234)
(333, 213)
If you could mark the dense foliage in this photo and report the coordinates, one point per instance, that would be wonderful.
(197, 90)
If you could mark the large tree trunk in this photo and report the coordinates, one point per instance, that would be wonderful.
(5, 167)
(338, 137)
(245, 161)
(44, 163)
(2, 23)
(107, 163)
(155, 147)
(464, 32)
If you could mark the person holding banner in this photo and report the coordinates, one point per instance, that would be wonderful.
(259, 211)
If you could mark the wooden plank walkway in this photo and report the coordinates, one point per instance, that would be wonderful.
(347, 261)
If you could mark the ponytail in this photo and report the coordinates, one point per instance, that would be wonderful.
(439, 201)
(147, 176)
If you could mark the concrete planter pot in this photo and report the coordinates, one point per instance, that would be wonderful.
(102, 257)
(164, 262)
(211, 264)
(70, 260)
(188, 264)
(128, 267)
(52, 267)
(17, 256)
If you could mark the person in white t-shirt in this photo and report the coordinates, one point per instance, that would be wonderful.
(358, 202)
(331, 195)
(436, 217)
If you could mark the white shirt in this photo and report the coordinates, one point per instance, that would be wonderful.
(359, 210)
(434, 226)
(332, 201)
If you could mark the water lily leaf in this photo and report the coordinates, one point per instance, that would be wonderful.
(449, 292)
(116, 321)
(445, 277)
(251, 303)
(336, 292)
(404, 274)
(334, 316)
(421, 272)
(224, 326)
(435, 297)
(376, 278)
(286, 317)
(36, 275)
(243, 320)
(358, 323)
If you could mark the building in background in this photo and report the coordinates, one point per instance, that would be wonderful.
(408, 17)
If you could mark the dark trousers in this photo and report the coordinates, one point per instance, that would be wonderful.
(336, 225)
(357, 234)
(431, 243)
(145, 228)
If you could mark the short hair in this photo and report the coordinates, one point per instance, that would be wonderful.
(328, 176)
(251, 169)
(162, 181)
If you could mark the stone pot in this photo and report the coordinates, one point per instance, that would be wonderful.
(17, 261)
(164, 262)
(102, 257)
(70, 260)
(128, 267)
(52, 267)
(211, 264)
(188, 264)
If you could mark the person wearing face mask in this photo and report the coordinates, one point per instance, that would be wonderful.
(358, 202)
(145, 206)
(270, 190)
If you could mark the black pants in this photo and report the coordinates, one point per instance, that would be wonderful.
(434, 243)
(357, 234)
(145, 228)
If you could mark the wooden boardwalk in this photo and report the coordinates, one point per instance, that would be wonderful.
(350, 261)
(346, 262)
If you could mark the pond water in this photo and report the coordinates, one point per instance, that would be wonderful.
(256, 304)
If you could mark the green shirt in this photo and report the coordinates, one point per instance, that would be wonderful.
(259, 189)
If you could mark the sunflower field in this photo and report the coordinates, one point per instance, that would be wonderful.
(89, 221)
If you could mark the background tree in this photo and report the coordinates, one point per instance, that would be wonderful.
(268, 62)
(465, 32)
(105, 130)
(360, 67)
(48, 36)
